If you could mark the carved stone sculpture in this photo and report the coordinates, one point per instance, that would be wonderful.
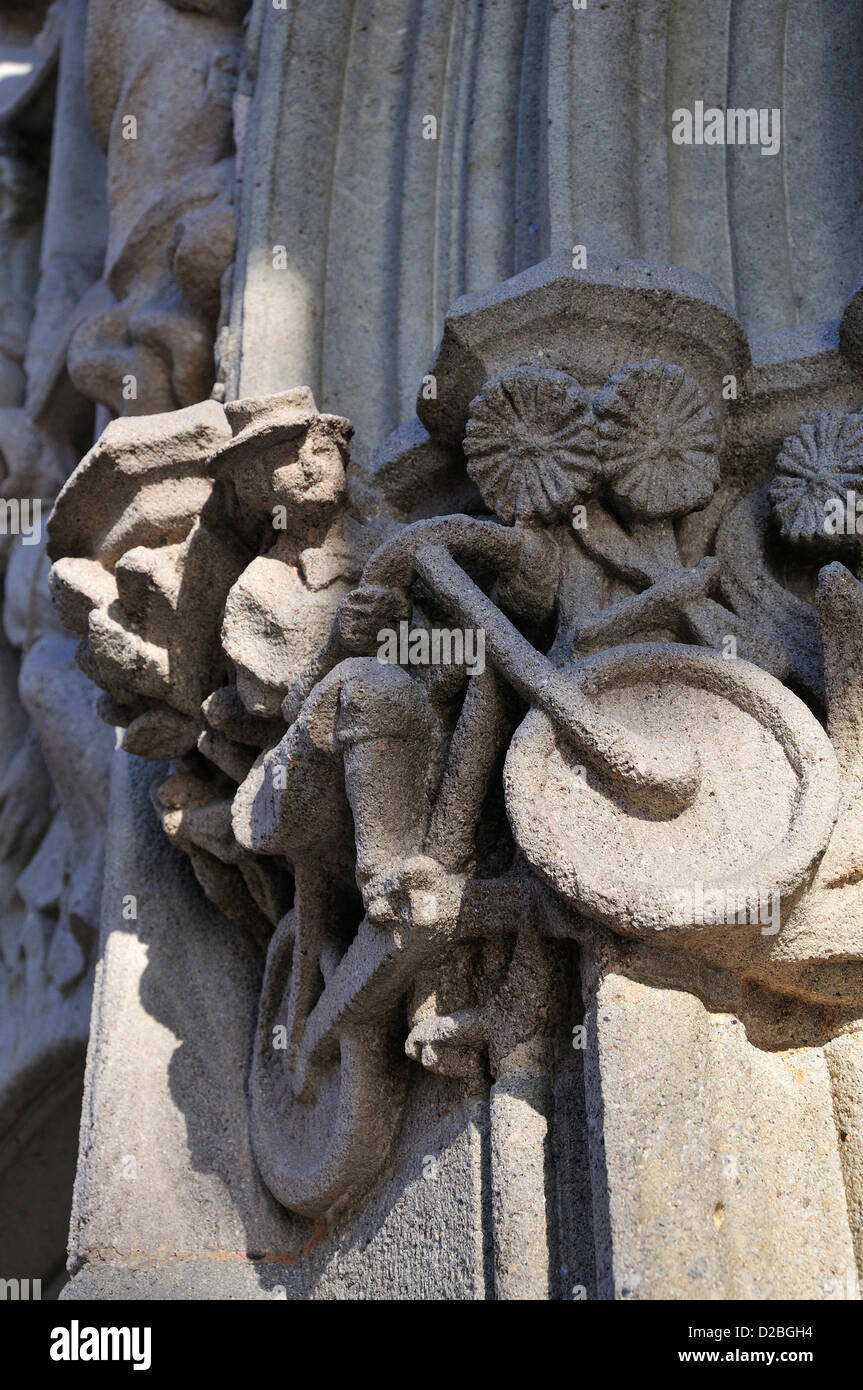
(147, 342)
(451, 817)
(433, 814)
(57, 288)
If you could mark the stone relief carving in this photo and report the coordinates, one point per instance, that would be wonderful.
(492, 725)
(50, 909)
(132, 329)
(56, 753)
(171, 583)
(628, 761)
(174, 287)
(171, 238)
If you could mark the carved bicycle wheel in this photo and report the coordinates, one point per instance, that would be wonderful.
(327, 1076)
(762, 814)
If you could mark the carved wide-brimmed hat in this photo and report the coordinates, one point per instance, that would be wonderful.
(260, 423)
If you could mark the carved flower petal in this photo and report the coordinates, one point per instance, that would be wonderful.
(657, 440)
(819, 463)
(531, 445)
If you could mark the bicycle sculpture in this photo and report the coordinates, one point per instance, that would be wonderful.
(628, 754)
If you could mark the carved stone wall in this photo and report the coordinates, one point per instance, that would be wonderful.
(90, 244)
(449, 682)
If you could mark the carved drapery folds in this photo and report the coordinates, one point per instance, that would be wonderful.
(109, 292)
(146, 340)
(55, 762)
(625, 761)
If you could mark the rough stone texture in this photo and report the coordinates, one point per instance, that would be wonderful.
(55, 751)
(167, 1194)
(536, 974)
(172, 69)
(61, 206)
(184, 1135)
(553, 130)
(719, 1161)
(422, 1238)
